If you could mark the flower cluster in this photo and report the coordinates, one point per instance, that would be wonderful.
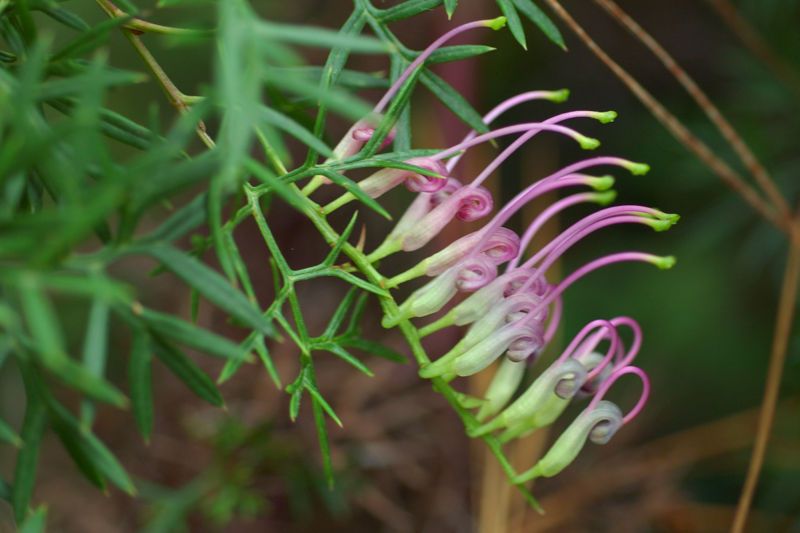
(513, 309)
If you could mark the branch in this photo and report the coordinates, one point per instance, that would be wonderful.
(692, 143)
(711, 111)
(783, 329)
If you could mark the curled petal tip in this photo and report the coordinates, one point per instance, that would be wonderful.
(496, 24)
(588, 143)
(666, 262)
(601, 183)
(605, 117)
(559, 96)
(605, 197)
(637, 169)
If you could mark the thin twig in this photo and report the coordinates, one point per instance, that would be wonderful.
(741, 149)
(783, 329)
(695, 145)
(175, 97)
(756, 43)
(143, 26)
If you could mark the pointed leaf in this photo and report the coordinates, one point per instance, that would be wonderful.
(210, 284)
(374, 348)
(140, 381)
(542, 21)
(346, 356)
(454, 101)
(187, 371)
(188, 334)
(406, 10)
(514, 24)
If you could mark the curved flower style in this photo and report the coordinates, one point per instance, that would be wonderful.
(514, 308)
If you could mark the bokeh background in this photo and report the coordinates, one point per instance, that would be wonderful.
(403, 462)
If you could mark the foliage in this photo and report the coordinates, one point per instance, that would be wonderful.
(84, 189)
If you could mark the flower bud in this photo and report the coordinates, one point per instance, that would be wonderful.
(500, 247)
(598, 424)
(505, 383)
(467, 275)
(489, 349)
(539, 405)
(386, 179)
(467, 203)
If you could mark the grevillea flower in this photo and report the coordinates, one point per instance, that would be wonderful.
(514, 305)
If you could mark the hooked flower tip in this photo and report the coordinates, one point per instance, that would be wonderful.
(637, 169)
(665, 263)
(588, 143)
(496, 24)
(605, 197)
(605, 117)
(601, 183)
(660, 224)
(558, 96)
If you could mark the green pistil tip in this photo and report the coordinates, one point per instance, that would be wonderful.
(588, 143)
(638, 169)
(671, 217)
(601, 183)
(497, 23)
(661, 225)
(666, 262)
(559, 96)
(605, 197)
(606, 116)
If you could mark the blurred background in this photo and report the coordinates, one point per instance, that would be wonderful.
(402, 459)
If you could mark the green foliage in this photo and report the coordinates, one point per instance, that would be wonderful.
(84, 188)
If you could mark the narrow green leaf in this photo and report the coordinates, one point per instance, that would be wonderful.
(514, 24)
(140, 381)
(7, 434)
(295, 129)
(358, 282)
(91, 448)
(341, 312)
(353, 188)
(320, 37)
(72, 441)
(374, 348)
(43, 326)
(94, 349)
(336, 249)
(66, 17)
(33, 427)
(342, 102)
(188, 334)
(406, 10)
(324, 444)
(346, 356)
(454, 101)
(263, 354)
(187, 371)
(450, 7)
(89, 40)
(542, 21)
(317, 396)
(458, 53)
(210, 284)
(295, 389)
(36, 522)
